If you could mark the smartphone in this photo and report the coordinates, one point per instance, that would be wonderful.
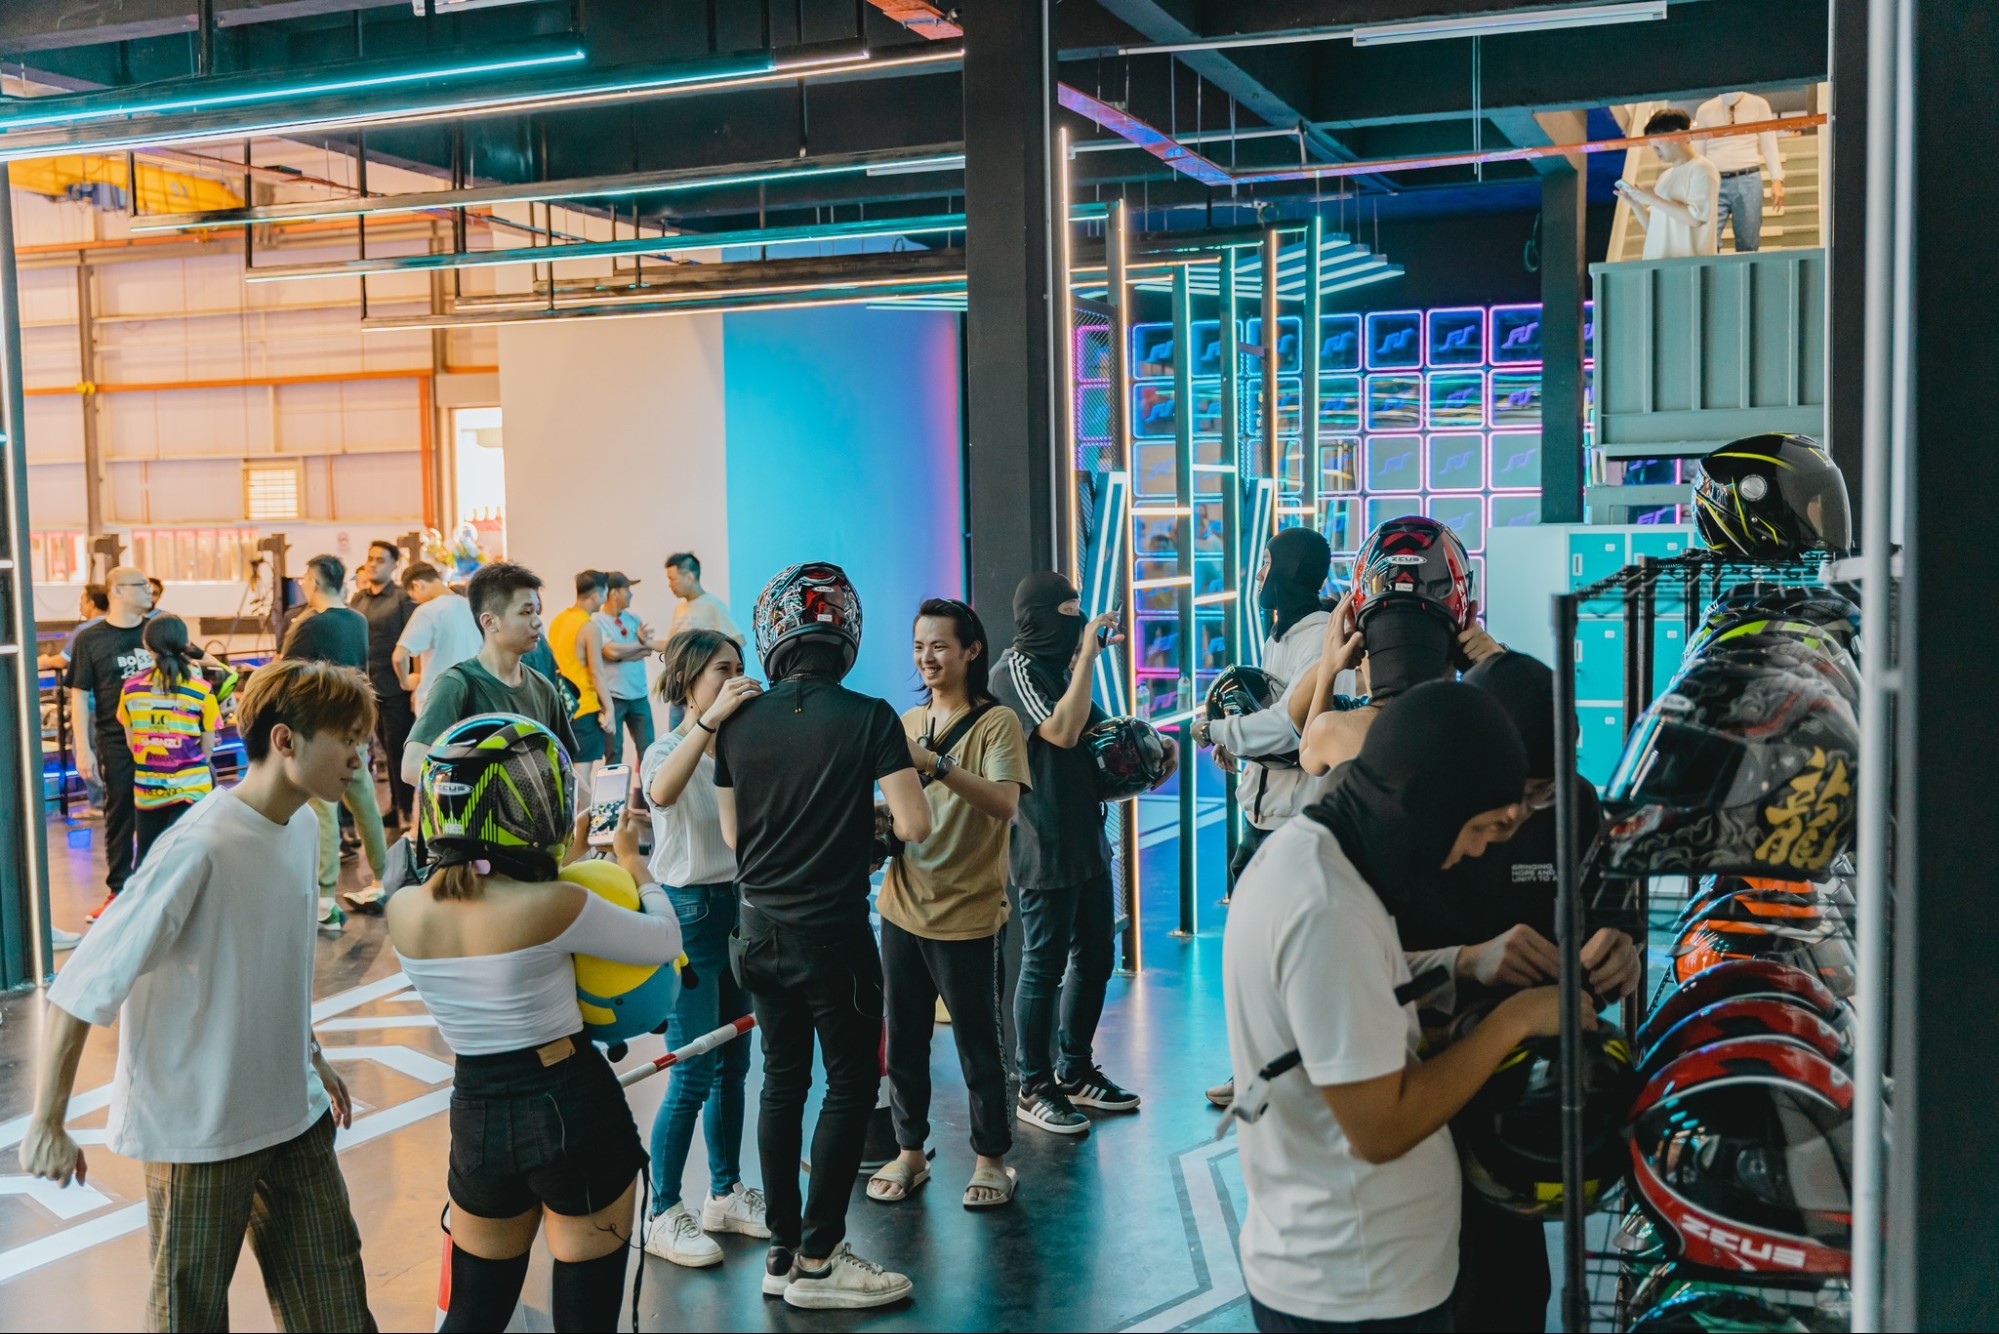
(1104, 633)
(609, 792)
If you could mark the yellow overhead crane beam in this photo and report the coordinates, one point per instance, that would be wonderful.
(159, 190)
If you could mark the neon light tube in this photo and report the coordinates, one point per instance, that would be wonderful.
(1210, 599)
(829, 294)
(1494, 25)
(1169, 581)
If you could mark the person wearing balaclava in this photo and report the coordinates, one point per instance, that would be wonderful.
(1059, 862)
(1353, 1183)
(1272, 788)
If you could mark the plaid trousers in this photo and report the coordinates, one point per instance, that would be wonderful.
(292, 1201)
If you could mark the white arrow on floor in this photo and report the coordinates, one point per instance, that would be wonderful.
(65, 1202)
(405, 1060)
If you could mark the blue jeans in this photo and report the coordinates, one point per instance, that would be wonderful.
(634, 716)
(1066, 955)
(712, 1083)
(1741, 198)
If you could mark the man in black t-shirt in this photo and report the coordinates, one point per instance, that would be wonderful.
(103, 656)
(327, 631)
(795, 772)
(1060, 861)
(388, 608)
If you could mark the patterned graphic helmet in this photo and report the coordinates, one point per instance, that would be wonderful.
(1822, 947)
(1779, 1017)
(1509, 1136)
(1415, 560)
(1798, 645)
(1737, 978)
(815, 600)
(1130, 756)
(1772, 497)
(1244, 690)
(497, 787)
(1836, 615)
(1741, 1153)
(1740, 768)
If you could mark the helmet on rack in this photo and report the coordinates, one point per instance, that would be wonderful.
(1798, 645)
(1130, 756)
(1741, 1153)
(1732, 898)
(1737, 977)
(1835, 614)
(496, 788)
(1823, 948)
(1738, 768)
(1509, 1136)
(1415, 560)
(1243, 690)
(1779, 1017)
(1696, 1307)
(1772, 497)
(812, 601)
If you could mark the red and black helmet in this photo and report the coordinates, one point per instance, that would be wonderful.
(1736, 977)
(1821, 947)
(812, 600)
(1741, 1154)
(1779, 1017)
(1415, 560)
(1130, 756)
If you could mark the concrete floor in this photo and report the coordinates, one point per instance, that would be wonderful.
(1131, 1227)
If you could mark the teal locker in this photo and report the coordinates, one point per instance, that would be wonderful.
(1594, 556)
(1599, 658)
(1669, 644)
(1661, 544)
(1601, 741)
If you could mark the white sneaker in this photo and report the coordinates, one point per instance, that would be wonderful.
(847, 1283)
(331, 919)
(741, 1210)
(676, 1236)
(60, 940)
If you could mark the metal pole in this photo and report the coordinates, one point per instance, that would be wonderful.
(1118, 295)
(204, 38)
(32, 857)
(1273, 451)
(1642, 889)
(1234, 613)
(1308, 346)
(1568, 937)
(1190, 647)
(1884, 422)
(93, 448)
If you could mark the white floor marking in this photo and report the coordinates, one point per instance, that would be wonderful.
(81, 1104)
(61, 1245)
(1211, 1235)
(65, 1202)
(369, 1023)
(408, 1060)
(342, 1002)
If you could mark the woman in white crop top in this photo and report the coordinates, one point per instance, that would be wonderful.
(540, 1130)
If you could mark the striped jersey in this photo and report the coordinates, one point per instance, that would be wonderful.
(166, 725)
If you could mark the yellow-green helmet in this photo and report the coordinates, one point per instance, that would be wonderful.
(497, 788)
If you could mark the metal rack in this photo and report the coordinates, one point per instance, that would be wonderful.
(1687, 582)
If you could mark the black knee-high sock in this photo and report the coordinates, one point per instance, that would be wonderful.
(588, 1295)
(483, 1292)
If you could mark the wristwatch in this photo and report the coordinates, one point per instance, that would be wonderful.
(1201, 732)
(942, 768)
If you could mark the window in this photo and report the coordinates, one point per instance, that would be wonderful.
(273, 491)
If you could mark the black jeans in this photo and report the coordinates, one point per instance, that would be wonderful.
(966, 973)
(121, 816)
(1066, 957)
(393, 721)
(1503, 1280)
(152, 823)
(802, 985)
(1252, 839)
(1436, 1320)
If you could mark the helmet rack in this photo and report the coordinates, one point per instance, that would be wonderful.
(1677, 585)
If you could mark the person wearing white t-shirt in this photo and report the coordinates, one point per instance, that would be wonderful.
(1741, 160)
(205, 962)
(698, 609)
(1678, 212)
(1353, 1184)
(439, 634)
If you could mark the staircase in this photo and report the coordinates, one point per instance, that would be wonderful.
(1799, 225)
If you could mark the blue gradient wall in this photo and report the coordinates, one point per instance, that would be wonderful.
(844, 445)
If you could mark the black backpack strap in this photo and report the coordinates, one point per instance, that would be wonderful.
(957, 731)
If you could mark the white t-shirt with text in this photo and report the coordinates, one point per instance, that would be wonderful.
(1310, 962)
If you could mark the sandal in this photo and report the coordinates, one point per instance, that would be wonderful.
(985, 1178)
(894, 1183)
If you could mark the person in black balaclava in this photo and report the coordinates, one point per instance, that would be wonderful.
(1316, 977)
(1059, 862)
(1406, 644)
(1505, 899)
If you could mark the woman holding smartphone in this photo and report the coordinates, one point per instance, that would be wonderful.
(704, 680)
(541, 1136)
(943, 904)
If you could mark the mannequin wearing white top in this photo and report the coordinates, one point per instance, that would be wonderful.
(1678, 213)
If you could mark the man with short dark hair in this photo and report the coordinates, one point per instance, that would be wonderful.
(1679, 212)
(441, 634)
(625, 641)
(103, 656)
(328, 631)
(506, 602)
(578, 649)
(388, 608)
(698, 609)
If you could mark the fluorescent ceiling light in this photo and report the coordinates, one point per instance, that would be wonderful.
(956, 163)
(782, 297)
(1501, 24)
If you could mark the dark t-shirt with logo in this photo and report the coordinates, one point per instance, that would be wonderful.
(103, 657)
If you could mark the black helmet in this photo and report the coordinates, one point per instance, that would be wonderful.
(1694, 1308)
(1781, 1017)
(1741, 1152)
(1798, 645)
(1834, 613)
(1737, 977)
(1772, 497)
(1130, 756)
(815, 600)
(1740, 768)
(1241, 690)
(1415, 560)
(1509, 1136)
(496, 788)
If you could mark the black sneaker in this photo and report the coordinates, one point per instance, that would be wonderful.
(1093, 1088)
(1044, 1106)
(780, 1267)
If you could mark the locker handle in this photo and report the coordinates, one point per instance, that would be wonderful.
(1579, 652)
(1576, 564)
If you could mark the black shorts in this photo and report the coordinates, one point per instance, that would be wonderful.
(589, 734)
(526, 1135)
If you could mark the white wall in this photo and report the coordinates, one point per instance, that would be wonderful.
(615, 452)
